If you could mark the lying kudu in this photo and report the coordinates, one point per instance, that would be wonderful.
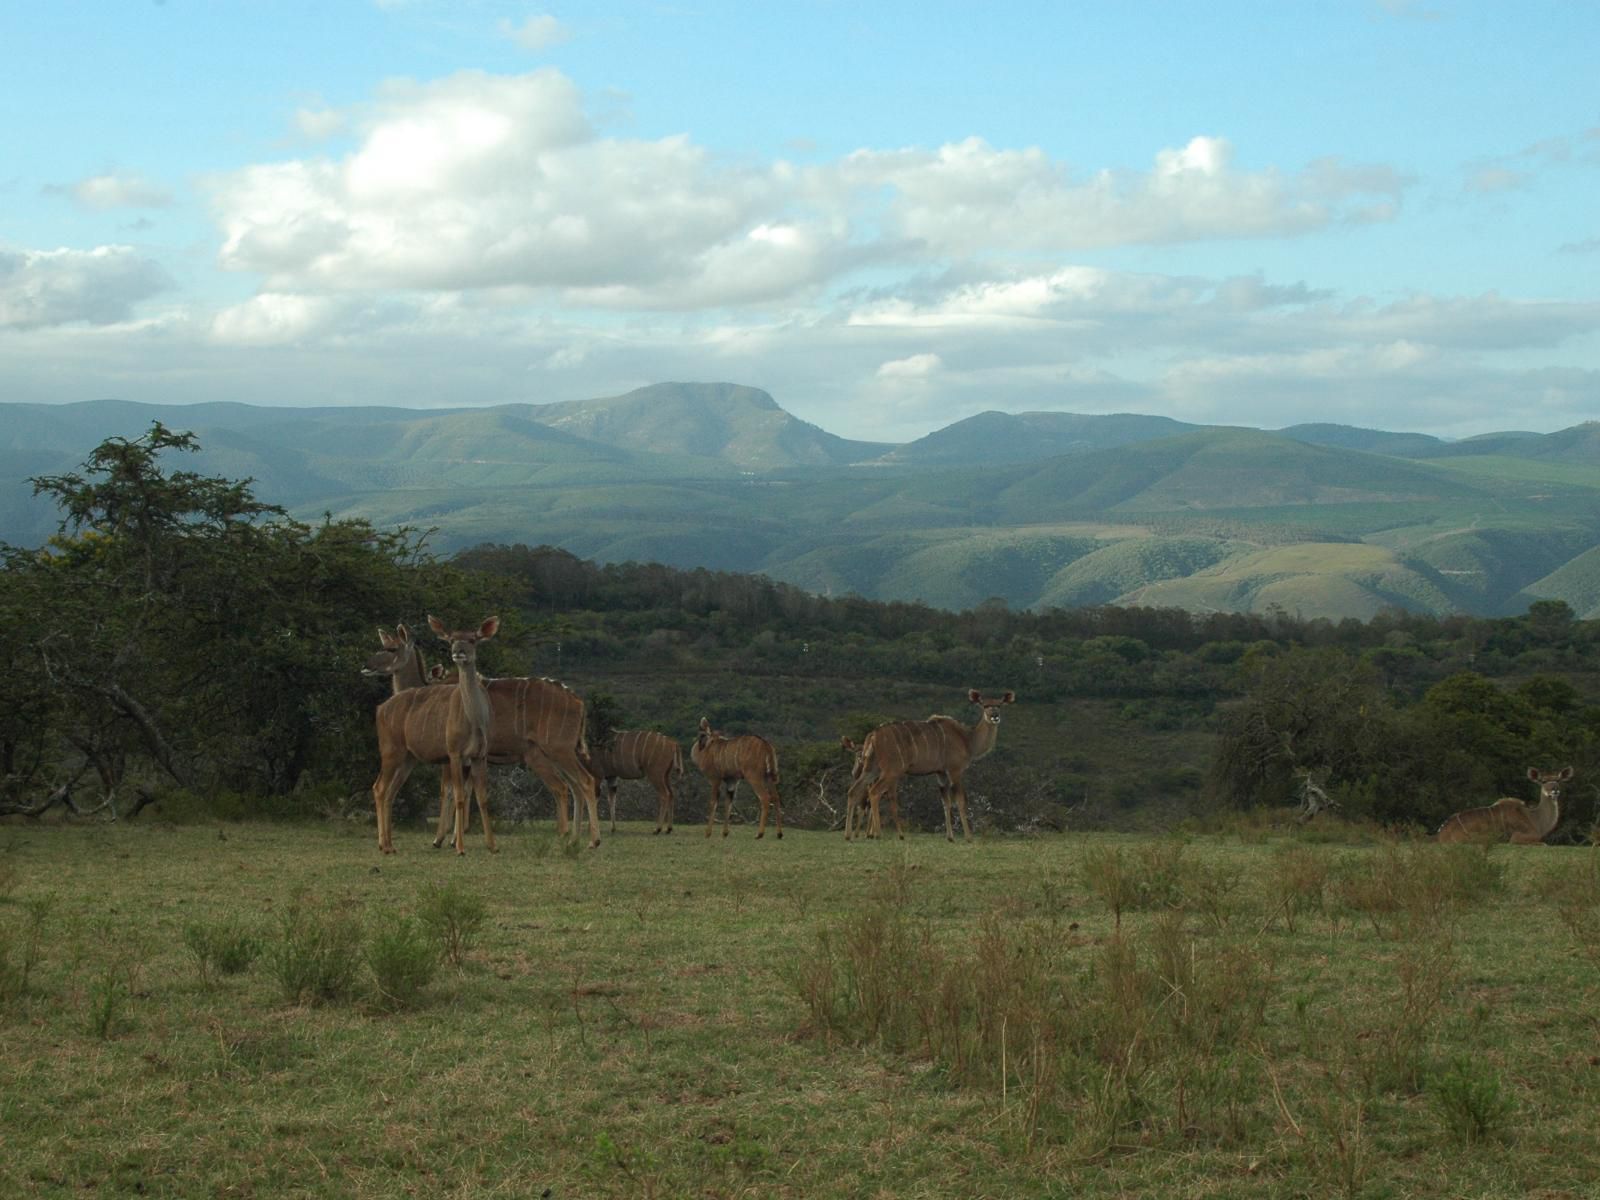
(639, 754)
(725, 761)
(536, 722)
(940, 746)
(1509, 819)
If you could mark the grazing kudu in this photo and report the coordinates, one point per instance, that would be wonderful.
(639, 754)
(725, 761)
(536, 722)
(940, 746)
(1509, 819)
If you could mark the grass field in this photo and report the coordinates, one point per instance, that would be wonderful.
(1257, 1014)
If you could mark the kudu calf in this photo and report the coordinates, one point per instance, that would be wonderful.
(940, 746)
(1509, 819)
(725, 761)
(639, 754)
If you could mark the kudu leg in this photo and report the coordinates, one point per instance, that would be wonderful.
(480, 785)
(960, 790)
(727, 808)
(445, 810)
(611, 787)
(391, 778)
(711, 817)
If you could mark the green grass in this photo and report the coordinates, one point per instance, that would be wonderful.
(1362, 1019)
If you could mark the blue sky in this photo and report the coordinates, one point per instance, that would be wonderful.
(890, 216)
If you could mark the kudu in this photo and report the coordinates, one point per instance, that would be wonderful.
(536, 722)
(725, 761)
(639, 754)
(1509, 819)
(940, 746)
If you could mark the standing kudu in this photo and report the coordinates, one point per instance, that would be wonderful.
(725, 761)
(467, 719)
(639, 754)
(1509, 819)
(536, 722)
(940, 746)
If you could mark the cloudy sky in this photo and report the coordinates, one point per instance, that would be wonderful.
(889, 215)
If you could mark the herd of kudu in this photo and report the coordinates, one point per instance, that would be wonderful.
(464, 721)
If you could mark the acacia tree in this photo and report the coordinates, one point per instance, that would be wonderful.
(182, 629)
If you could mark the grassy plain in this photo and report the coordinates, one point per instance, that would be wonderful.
(1268, 1015)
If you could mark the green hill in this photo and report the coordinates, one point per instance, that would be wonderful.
(1312, 519)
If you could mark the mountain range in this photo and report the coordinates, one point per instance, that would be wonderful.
(1036, 509)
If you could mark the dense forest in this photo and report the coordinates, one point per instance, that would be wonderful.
(180, 642)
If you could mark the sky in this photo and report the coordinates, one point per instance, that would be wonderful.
(888, 215)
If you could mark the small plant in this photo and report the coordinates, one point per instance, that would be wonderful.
(1297, 882)
(1469, 1099)
(21, 950)
(106, 996)
(223, 949)
(404, 959)
(1106, 874)
(314, 958)
(453, 917)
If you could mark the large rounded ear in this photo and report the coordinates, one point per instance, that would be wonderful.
(487, 629)
(847, 744)
(402, 633)
(1534, 774)
(972, 694)
(705, 725)
(385, 638)
(1566, 774)
(1008, 698)
(438, 627)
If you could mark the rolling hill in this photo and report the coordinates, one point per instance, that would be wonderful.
(1038, 509)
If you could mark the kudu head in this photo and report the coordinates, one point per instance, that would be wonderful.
(1549, 784)
(399, 649)
(463, 643)
(990, 704)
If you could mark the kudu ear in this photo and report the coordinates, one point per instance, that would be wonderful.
(438, 627)
(973, 694)
(487, 629)
(386, 639)
(402, 634)
(1566, 774)
(847, 744)
(1535, 774)
(705, 725)
(1008, 698)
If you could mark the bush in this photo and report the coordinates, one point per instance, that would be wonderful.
(315, 956)
(453, 918)
(1469, 1099)
(227, 948)
(404, 959)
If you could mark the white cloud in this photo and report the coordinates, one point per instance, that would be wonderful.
(968, 197)
(118, 190)
(41, 288)
(319, 124)
(918, 366)
(538, 32)
(481, 181)
(272, 319)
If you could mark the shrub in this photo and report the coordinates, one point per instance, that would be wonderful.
(453, 918)
(227, 948)
(1468, 1097)
(404, 959)
(314, 958)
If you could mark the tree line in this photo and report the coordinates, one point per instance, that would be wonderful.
(180, 634)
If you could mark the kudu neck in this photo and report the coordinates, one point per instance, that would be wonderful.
(1548, 811)
(981, 736)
